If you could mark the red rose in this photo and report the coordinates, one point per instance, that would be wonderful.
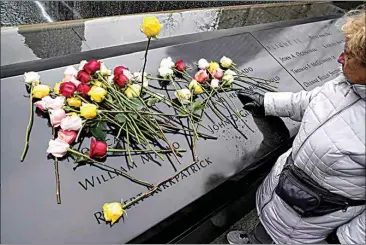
(201, 76)
(180, 66)
(98, 149)
(83, 76)
(83, 88)
(67, 89)
(92, 66)
(120, 80)
(119, 70)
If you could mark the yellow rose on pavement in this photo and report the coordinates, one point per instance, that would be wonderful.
(213, 66)
(97, 93)
(74, 102)
(133, 91)
(88, 111)
(40, 91)
(150, 26)
(112, 211)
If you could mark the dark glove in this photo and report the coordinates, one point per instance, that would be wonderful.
(252, 101)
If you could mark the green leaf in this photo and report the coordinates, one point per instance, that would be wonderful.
(152, 101)
(197, 106)
(99, 131)
(121, 118)
(137, 104)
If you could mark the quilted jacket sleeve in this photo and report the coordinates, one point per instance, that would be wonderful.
(287, 104)
(354, 231)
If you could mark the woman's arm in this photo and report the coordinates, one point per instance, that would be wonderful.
(354, 231)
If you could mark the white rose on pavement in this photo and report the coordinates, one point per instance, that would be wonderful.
(229, 72)
(167, 62)
(57, 147)
(183, 95)
(227, 80)
(165, 72)
(31, 78)
(71, 123)
(226, 62)
(203, 64)
(215, 83)
(137, 76)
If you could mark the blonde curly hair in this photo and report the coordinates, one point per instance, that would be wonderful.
(354, 31)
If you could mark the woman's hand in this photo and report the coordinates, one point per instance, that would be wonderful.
(252, 101)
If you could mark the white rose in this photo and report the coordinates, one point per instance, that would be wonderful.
(193, 84)
(167, 62)
(81, 65)
(71, 123)
(104, 71)
(227, 79)
(226, 62)
(137, 76)
(31, 78)
(165, 72)
(70, 71)
(203, 64)
(57, 147)
(128, 74)
(215, 83)
(54, 104)
(230, 72)
(110, 79)
(183, 95)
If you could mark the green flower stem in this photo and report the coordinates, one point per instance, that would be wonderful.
(128, 145)
(30, 122)
(140, 112)
(82, 99)
(145, 61)
(144, 150)
(57, 175)
(71, 109)
(92, 161)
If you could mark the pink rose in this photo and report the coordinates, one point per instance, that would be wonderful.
(218, 73)
(56, 117)
(201, 76)
(57, 147)
(67, 136)
(48, 103)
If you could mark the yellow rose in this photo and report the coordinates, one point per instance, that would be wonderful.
(97, 93)
(56, 88)
(198, 89)
(74, 102)
(40, 91)
(150, 26)
(112, 211)
(133, 91)
(213, 66)
(88, 111)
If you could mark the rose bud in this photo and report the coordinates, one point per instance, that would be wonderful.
(218, 73)
(201, 76)
(119, 70)
(67, 89)
(180, 66)
(84, 89)
(92, 66)
(112, 211)
(67, 136)
(83, 77)
(98, 149)
(120, 80)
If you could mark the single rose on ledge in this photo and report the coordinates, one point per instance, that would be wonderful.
(150, 26)
(31, 78)
(56, 117)
(83, 89)
(97, 94)
(180, 66)
(98, 149)
(83, 76)
(112, 211)
(57, 147)
(92, 66)
(88, 111)
(201, 76)
(40, 91)
(67, 89)
(68, 136)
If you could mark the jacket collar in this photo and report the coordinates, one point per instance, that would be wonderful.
(359, 89)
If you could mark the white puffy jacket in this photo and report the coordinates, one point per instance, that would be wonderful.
(331, 152)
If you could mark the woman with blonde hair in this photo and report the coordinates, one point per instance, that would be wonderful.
(317, 188)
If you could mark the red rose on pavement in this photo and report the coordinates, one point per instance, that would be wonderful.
(201, 76)
(119, 70)
(67, 89)
(120, 80)
(98, 149)
(83, 88)
(180, 66)
(83, 76)
(92, 66)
